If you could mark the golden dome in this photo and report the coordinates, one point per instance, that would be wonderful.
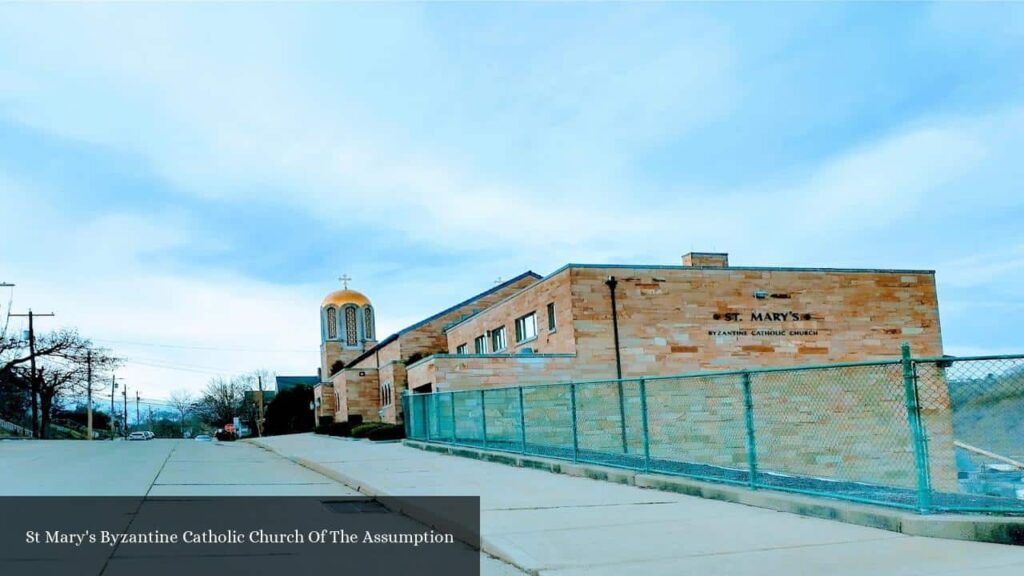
(346, 296)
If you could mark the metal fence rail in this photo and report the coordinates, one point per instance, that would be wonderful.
(924, 434)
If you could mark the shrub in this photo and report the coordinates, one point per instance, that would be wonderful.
(322, 428)
(362, 430)
(387, 432)
(355, 419)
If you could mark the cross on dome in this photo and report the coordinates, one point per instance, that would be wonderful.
(345, 279)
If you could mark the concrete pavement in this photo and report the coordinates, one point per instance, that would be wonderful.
(552, 524)
(155, 468)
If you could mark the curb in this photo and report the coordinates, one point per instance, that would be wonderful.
(978, 528)
(402, 505)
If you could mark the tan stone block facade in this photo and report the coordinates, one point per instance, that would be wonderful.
(384, 364)
(708, 317)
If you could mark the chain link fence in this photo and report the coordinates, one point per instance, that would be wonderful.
(925, 434)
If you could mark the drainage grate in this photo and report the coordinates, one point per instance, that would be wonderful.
(362, 506)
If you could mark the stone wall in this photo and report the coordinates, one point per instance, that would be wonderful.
(362, 393)
(553, 289)
(393, 373)
(458, 372)
(847, 424)
(423, 339)
(676, 320)
(324, 395)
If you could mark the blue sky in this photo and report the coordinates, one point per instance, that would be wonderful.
(184, 182)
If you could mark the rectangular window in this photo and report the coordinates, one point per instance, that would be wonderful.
(551, 317)
(480, 344)
(461, 349)
(526, 327)
(498, 339)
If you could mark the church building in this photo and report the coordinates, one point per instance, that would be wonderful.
(602, 321)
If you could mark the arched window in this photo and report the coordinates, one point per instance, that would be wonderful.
(351, 331)
(368, 322)
(332, 324)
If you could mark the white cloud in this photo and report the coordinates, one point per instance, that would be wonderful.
(227, 106)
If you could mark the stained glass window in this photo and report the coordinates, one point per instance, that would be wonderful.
(351, 335)
(332, 323)
(368, 322)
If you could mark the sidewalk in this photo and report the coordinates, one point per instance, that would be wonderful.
(553, 524)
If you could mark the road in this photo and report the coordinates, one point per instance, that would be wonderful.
(165, 468)
(154, 468)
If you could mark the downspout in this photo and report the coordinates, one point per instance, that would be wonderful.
(612, 283)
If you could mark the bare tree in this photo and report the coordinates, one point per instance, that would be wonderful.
(65, 371)
(222, 400)
(61, 358)
(183, 401)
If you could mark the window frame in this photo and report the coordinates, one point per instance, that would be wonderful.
(496, 333)
(521, 325)
(552, 320)
(332, 322)
(462, 348)
(351, 326)
(482, 347)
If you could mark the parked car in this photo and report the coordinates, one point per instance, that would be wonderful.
(138, 436)
(203, 438)
(149, 435)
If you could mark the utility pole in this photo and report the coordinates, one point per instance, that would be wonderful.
(124, 392)
(88, 394)
(137, 419)
(113, 388)
(33, 380)
(259, 422)
(3, 329)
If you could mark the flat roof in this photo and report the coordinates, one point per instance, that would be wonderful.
(747, 268)
(684, 267)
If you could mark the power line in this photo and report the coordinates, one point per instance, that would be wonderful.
(210, 348)
(157, 363)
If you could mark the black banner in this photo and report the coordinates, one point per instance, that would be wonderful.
(199, 536)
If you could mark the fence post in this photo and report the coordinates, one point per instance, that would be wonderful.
(406, 410)
(643, 416)
(575, 433)
(622, 416)
(455, 437)
(924, 491)
(429, 409)
(483, 418)
(748, 417)
(522, 422)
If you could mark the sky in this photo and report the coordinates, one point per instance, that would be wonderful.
(184, 182)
